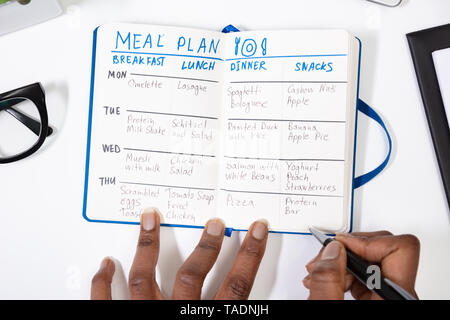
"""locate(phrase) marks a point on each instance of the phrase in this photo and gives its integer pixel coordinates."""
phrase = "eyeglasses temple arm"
(30, 123)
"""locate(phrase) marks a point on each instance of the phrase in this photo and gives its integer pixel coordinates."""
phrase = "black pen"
(357, 266)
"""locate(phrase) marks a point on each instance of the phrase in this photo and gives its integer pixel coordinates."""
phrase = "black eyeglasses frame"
(35, 93)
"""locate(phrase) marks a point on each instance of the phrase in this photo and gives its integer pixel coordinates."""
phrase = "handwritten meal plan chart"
(200, 124)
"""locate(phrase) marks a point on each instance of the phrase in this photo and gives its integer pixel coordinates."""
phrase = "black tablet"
(428, 49)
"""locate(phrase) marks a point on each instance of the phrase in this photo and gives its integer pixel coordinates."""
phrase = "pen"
(357, 266)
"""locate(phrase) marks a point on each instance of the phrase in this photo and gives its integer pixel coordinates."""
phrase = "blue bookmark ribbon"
(368, 111)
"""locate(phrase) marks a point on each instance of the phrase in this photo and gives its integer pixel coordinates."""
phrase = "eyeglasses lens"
(20, 126)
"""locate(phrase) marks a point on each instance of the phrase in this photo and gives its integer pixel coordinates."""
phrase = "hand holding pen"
(397, 257)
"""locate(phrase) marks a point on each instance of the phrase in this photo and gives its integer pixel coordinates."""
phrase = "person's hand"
(189, 279)
(397, 256)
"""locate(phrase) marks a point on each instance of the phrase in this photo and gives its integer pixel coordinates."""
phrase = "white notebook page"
(285, 109)
(167, 128)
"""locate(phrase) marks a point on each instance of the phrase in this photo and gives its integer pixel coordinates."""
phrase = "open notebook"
(241, 126)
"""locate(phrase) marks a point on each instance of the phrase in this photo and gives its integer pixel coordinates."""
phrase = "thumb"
(328, 274)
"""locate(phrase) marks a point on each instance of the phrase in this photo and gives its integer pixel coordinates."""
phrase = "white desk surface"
(47, 250)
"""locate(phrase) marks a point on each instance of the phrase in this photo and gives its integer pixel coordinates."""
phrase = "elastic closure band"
(228, 232)
(368, 111)
(230, 28)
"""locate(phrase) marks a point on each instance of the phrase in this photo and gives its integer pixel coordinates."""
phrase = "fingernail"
(331, 251)
(310, 261)
(309, 265)
(105, 262)
(148, 219)
(307, 281)
(215, 227)
(260, 229)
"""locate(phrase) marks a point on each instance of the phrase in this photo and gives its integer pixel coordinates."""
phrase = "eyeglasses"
(23, 122)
